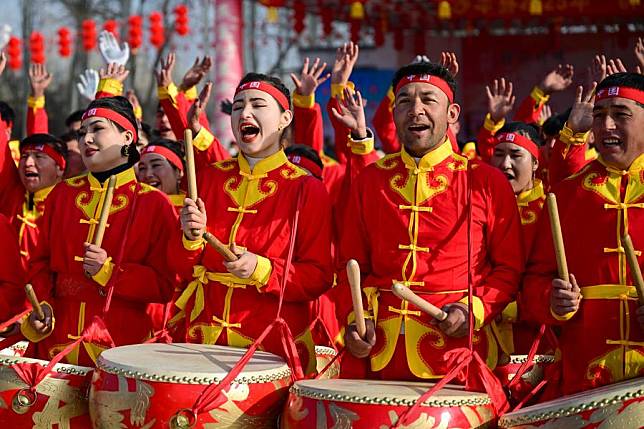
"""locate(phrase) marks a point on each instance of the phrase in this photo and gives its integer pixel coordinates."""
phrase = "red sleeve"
(566, 158)
(384, 126)
(37, 119)
(308, 127)
(531, 107)
(39, 273)
(13, 192)
(340, 132)
(485, 143)
(12, 296)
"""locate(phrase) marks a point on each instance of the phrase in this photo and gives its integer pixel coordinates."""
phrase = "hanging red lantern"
(14, 50)
(181, 20)
(88, 34)
(37, 47)
(327, 20)
(379, 33)
(135, 32)
(299, 13)
(111, 26)
(157, 36)
(356, 25)
(64, 42)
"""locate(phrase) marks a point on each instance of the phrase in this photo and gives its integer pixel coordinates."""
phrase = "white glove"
(5, 35)
(88, 84)
(110, 49)
(420, 59)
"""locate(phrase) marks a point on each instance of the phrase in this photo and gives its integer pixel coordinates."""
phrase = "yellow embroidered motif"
(606, 187)
(388, 162)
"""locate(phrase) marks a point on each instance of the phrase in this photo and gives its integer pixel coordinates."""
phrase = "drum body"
(619, 405)
(529, 380)
(324, 356)
(18, 349)
(146, 385)
(60, 400)
(373, 404)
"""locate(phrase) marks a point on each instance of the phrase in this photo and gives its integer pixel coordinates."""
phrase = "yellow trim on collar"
(122, 178)
(265, 165)
(533, 194)
(41, 195)
(430, 159)
(636, 166)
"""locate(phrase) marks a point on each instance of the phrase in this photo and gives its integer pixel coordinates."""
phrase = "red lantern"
(157, 33)
(135, 32)
(356, 25)
(299, 13)
(181, 20)
(327, 20)
(37, 48)
(64, 42)
(14, 50)
(111, 26)
(88, 34)
(379, 32)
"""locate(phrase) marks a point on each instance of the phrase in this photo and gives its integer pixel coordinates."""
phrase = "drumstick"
(105, 212)
(636, 272)
(353, 273)
(557, 237)
(220, 247)
(31, 296)
(190, 165)
(407, 294)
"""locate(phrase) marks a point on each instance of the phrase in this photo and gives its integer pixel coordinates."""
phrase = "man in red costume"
(408, 223)
(601, 341)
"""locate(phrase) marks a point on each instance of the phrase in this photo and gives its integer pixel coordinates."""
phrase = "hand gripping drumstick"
(407, 294)
(31, 296)
(105, 212)
(353, 274)
(557, 237)
(636, 272)
(220, 247)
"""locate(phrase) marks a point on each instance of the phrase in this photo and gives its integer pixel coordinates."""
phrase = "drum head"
(576, 403)
(386, 392)
(184, 363)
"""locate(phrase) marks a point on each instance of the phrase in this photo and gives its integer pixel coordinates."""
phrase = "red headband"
(430, 79)
(166, 153)
(102, 112)
(519, 140)
(267, 88)
(620, 91)
(306, 163)
(58, 158)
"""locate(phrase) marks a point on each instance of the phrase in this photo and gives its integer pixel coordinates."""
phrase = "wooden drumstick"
(557, 237)
(105, 212)
(407, 294)
(636, 272)
(31, 296)
(220, 247)
(190, 164)
(353, 274)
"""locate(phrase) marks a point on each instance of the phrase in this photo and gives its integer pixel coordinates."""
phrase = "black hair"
(48, 139)
(275, 81)
(7, 113)
(521, 128)
(75, 116)
(306, 152)
(122, 106)
(69, 136)
(628, 80)
(175, 146)
(554, 124)
(425, 68)
(146, 129)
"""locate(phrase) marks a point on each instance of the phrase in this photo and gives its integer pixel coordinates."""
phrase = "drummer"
(408, 223)
(602, 341)
(131, 257)
(249, 203)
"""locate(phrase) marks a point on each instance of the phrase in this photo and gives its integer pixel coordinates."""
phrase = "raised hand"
(345, 59)
(226, 106)
(3, 62)
(639, 54)
(450, 62)
(195, 73)
(309, 78)
(110, 49)
(164, 74)
(198, 108)
(88, 84)
(581, 115)
(615, 66)
(545, 114)
(133, 99)
(114, 71)
(597, 70)
(39, 79)
(351, 113)
(500, 99)
(558, 79)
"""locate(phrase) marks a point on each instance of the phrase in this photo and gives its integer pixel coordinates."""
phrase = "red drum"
(148, 385)
(616, 406)
(324, 356)
(18, 349)
(529, 380)
(60, 400)
(373, 404)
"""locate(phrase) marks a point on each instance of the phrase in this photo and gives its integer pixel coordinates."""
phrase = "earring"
(279, 129)
(125, 151)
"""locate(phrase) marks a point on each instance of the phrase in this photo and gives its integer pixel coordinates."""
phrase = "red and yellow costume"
(255, 209)
(136, 245)
(602, 342)
(12, 294)
(408, 223)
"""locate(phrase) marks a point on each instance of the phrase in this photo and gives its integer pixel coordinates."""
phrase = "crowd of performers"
(432, 214)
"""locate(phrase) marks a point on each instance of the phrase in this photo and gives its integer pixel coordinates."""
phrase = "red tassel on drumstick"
(353, 274)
